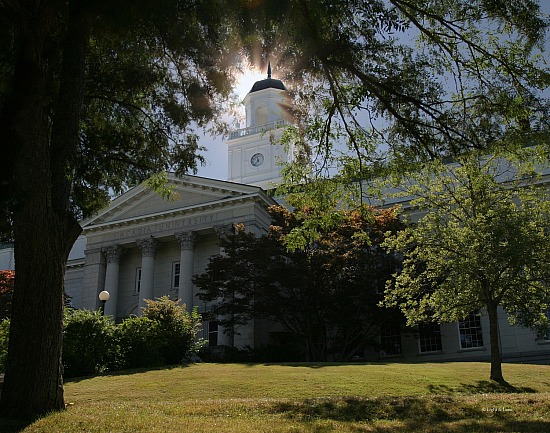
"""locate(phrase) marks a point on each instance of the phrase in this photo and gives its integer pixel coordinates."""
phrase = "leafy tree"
(325, 293)
(388, 85)
(409, 74)
(482, 244)
(94, 97)
(6, 293)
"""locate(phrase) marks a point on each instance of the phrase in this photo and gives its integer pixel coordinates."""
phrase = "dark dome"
(268, 83)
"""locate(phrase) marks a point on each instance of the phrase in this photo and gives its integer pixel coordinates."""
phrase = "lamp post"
(103, 297)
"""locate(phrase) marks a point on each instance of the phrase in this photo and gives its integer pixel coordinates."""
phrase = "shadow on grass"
(9, 425)
(317, 365)
(480, 387)
(413, 414)
(359, 409)
(128, 372)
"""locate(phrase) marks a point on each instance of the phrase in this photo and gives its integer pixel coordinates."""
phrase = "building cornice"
(261, 199)
(218, 189)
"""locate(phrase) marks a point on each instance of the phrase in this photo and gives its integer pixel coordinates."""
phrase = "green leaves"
(148, 75)
(390, 86)
(325, 293)
(481, 238)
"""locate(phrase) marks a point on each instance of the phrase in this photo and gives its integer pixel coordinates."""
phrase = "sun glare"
(247, 80)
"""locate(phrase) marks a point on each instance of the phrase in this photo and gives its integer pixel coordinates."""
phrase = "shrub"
(176, 329)
(7, 280)
(165, 334)
(138, 343)
(4, 335)
(89, 344)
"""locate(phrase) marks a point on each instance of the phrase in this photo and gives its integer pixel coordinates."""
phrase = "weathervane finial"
(269, 69)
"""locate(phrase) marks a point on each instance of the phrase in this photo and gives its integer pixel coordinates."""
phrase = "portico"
(144, 246)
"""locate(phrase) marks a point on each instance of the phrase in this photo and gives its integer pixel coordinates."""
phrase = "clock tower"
(255, 156)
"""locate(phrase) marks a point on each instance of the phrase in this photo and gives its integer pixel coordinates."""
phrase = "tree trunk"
(33, 381)
(44, 228)
(496, 358)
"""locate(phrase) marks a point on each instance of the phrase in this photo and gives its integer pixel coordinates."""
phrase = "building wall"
(74, 276)
(7, 260)
(517, 342)
(241, 150)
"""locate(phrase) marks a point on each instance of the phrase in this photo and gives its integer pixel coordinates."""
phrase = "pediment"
(187, 192)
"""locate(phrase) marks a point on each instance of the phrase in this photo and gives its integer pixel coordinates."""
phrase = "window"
(430, 337)
(390, 341)
(137, 286)
(175, 275)
(470, 332)
(213, 333)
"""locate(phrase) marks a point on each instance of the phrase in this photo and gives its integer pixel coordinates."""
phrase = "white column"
(185, 291)
(93, 279)
(148, 248)
(112, 254)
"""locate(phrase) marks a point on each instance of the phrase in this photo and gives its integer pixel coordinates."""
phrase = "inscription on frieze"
(167, 226)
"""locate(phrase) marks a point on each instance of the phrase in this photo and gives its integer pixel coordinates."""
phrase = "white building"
(143, 246)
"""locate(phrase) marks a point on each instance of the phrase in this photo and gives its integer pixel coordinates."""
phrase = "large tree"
(95, 96)
(324, 294)
(483, 244)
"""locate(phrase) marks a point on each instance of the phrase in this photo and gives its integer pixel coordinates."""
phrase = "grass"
(396, 397)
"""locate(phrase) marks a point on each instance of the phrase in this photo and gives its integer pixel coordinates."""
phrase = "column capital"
(223, 231)
(147, 246)
(112, 253)
(187, 240)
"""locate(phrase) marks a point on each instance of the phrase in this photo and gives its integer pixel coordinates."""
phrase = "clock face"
(257, 159)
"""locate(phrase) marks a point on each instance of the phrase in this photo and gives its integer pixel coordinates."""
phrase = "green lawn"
(396, 397)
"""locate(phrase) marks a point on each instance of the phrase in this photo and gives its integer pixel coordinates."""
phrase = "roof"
(191, 194)
(268, 83)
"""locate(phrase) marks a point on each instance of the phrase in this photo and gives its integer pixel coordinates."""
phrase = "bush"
(7, 280)
(138, 343)
(176, 329)
(89, 344)
(165, 334)
(4, 335)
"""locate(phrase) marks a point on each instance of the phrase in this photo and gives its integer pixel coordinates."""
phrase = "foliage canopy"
(389, 85)
(324, 294)
(481, 243)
